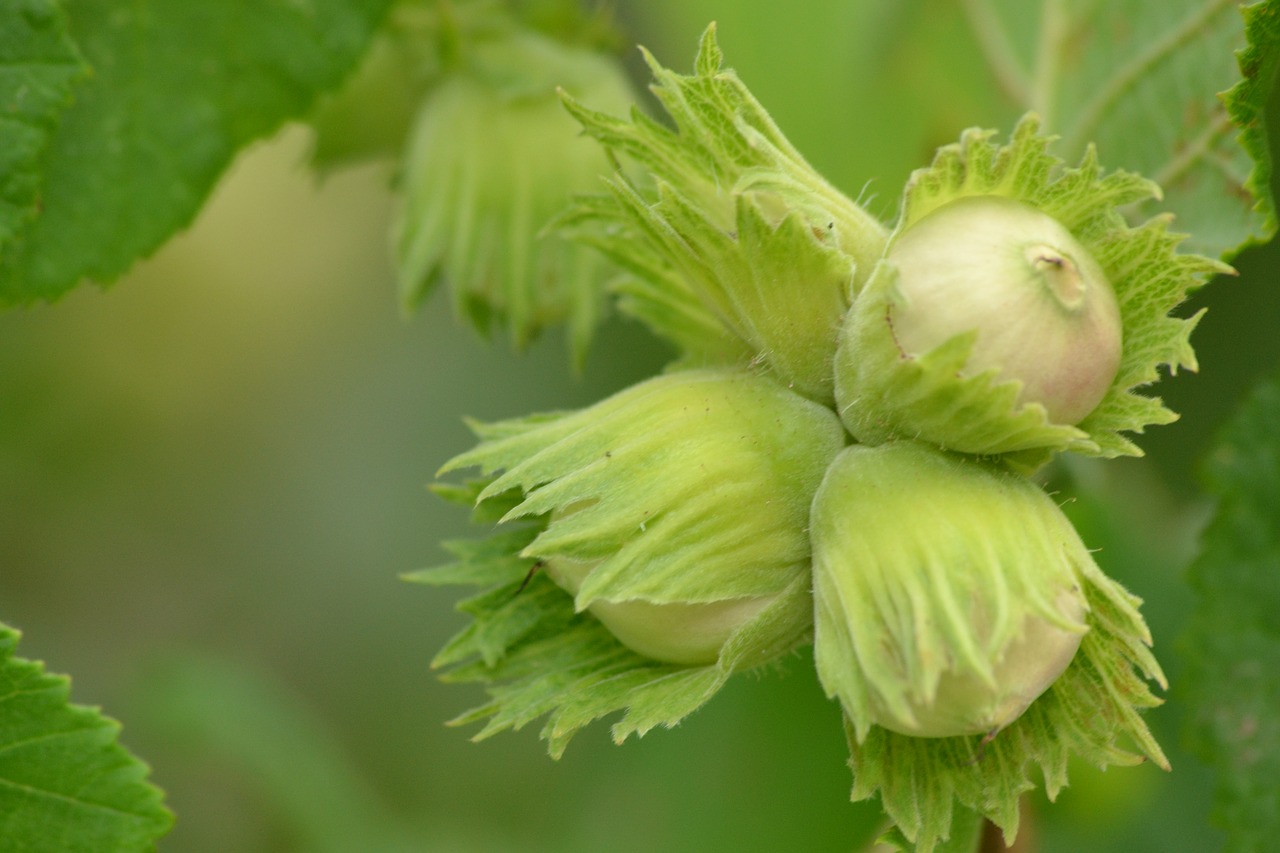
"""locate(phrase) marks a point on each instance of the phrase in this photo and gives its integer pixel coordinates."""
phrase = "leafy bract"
(1233, 679)
(38, 64)
(176, 88)
(540, 658)
(727, 226)
(966, 836)
(1141, 80)
(66, 784)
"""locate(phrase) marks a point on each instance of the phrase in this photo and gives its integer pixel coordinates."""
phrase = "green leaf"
(38, 64)
(1233, 678)
(176, 89)
(1141, 80)
(66, 784)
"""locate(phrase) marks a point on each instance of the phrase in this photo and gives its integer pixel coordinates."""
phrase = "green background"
(214, 472)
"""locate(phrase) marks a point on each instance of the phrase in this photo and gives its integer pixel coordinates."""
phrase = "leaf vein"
(55, 735)
(67, 798)
(1197, 150)
(1053, 31)
(994, 42)
(1091, 116)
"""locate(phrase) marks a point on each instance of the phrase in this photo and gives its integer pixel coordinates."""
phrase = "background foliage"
(213, 474)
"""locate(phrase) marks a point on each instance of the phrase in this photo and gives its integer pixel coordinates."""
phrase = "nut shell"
(1042, 309)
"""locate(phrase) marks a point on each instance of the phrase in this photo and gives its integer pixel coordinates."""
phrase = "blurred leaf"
(369, 117)
(38, 63)
(1247, 100)
(293, 762)
(1233, 678)
(177, 87)
(1141, 80)
(66, 785)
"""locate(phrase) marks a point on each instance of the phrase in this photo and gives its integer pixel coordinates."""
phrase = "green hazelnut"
(947, 590)
(673, 632)
(1042, 309)
(677, 509)
(965, 704)
(492, 157)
